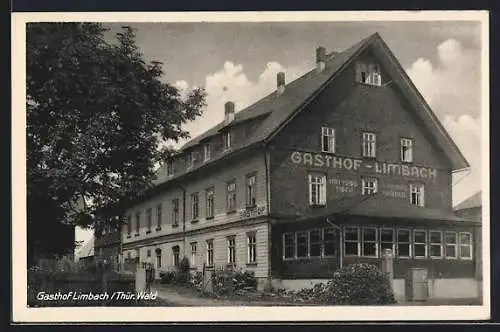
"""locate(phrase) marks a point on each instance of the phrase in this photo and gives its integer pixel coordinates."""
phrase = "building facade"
(328, 170)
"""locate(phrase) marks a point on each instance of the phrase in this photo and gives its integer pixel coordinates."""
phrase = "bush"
(358, 284)
(228, 280)
(196, 280)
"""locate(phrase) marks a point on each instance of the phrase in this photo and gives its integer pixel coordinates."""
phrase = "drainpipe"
(269, 228)
(183, 221)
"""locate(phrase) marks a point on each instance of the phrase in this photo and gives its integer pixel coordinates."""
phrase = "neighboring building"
(328, 170)
(107, 244)
(471, 208)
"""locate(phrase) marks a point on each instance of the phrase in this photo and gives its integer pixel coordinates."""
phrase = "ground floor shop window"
(369, 244)
(302, 244)
(289, 245)
(312, 243)
(435, 244)
(465, 245)
(419, 243)
(351, 241)
(451, 245)
(387, 239)
(404, 243)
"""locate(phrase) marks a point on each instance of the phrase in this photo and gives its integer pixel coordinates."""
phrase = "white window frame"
(317, 180)
(320, 242)
(393, 242)
(329, 134)
(294, 245)
(189, 160)
(194, 250)
(210, 252)
(231, 250)
(372, 73)
(195, 206)
(251, 198)
(297, 244)
(470, 245)
(406, 148)
(369, 144)
(409, 243)
(332, 241)
(174, 252)
(210, 202)
(366, 185)
(158, 260)
(207, 152)
(358, 241)
(363, 241)
(252, 248)
(414, 243)
(419, 190)
(231, 196)
(431, 244)
(448, 244)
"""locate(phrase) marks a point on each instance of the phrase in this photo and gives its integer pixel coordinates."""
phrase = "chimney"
(228, 112)
(280, 83)
(320, 59)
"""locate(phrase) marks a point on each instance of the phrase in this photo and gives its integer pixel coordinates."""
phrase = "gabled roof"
(279, 110)
(473, 201)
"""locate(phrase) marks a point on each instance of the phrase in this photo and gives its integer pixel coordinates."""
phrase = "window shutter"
(323, 191)
(310, 191)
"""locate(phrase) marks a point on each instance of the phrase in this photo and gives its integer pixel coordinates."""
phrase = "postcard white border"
(229, 314)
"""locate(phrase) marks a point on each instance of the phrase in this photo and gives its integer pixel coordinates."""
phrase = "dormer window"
(207, 152)
(170, 168)
(226, 140)
(368, 73)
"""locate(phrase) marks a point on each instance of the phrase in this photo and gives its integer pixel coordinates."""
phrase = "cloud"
(230, 83)
(451, 86)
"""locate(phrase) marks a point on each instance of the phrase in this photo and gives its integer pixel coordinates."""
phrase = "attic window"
(226, 140)
(368, 73)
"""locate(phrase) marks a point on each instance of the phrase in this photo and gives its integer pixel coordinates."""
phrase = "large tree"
(97, 113)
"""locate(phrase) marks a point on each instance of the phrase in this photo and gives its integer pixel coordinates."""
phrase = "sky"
(239, 61)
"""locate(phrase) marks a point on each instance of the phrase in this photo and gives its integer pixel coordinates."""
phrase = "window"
(317, 189)
(158, 258)
(435, 244)
(368, 74)
(288, 245)
(129, 225)
(207, 152)
(465, 245)
(369, 186)
(194, 248)
(210, 202)
(210, 252)
(252, 248)
(369, 244)
(450, 244)
(175, 212)
(404, 243)
(159, 212)
(137, 222)
(406, 150)
(419, 244)
(302, 244)
(226, 140)
(417, 194)
(148, 253)
(387, 239)
(351, 241)
(369, 145)
(231, 196)
(328, 242)
(250, 190)
(170, 168)
(231, 250)
(175, 255)
(327, 139)
(194, 206)
(315, 238)
(149, 218)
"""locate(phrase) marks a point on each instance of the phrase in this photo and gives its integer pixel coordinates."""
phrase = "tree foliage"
(97, 114)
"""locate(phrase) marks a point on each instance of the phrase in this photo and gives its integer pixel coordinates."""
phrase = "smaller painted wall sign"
(252, 212)
(344, 186)
(356, 165)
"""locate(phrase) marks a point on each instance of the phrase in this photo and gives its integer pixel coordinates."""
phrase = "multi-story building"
(328, 170)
